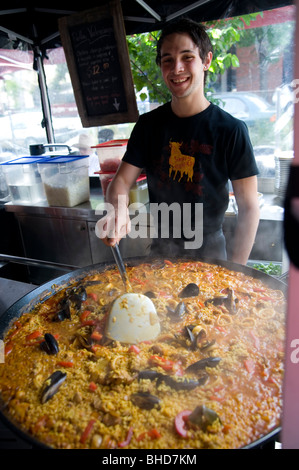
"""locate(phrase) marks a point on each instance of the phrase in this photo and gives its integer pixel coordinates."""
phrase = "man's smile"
(180, 80)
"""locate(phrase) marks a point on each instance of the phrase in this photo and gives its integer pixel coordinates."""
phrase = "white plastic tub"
(66, 180)
(23, 180)
(110, 154)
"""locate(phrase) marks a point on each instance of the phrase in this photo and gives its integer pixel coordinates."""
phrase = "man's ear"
(208, 60)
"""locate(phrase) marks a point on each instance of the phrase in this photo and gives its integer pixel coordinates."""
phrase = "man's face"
(181, 65)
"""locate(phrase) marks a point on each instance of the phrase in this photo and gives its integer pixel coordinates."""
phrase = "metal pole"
(44, 95)
(39, 67)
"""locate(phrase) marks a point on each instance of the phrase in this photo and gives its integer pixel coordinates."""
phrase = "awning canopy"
(39, 26)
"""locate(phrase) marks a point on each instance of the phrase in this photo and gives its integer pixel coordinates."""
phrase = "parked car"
(248, 107)
(25, 128)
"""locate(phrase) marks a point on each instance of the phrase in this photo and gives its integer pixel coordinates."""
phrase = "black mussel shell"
(77, 296)
(216, 301)
(50, 345)
(145, 400)
(190, 335)
(150, 294)
(191, 290)
(176, 384)
(178, 312)
(182, 384)
(203, 363)
(85, 341)
(204, 345)
(148, 374)
(203, 417)
(229, 301)
(52, 385)
(59, 316)
(64, 311)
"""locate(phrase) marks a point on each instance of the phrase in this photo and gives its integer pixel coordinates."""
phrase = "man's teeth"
(180, 80)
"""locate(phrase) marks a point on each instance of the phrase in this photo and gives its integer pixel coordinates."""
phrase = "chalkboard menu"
(97, 56)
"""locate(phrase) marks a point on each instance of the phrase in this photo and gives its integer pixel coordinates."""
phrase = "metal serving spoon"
(133, 317)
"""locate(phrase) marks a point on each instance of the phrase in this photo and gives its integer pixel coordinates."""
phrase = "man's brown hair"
(196, 31)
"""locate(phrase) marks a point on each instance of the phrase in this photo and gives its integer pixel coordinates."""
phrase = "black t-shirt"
(189, 160)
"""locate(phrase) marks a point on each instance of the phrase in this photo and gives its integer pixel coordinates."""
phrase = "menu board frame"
(97, 56)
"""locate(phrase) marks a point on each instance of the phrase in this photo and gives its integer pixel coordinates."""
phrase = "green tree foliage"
(224, 34)
(146, 73)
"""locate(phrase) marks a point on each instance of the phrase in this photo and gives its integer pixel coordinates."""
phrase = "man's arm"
(116, 224)
(245, 191)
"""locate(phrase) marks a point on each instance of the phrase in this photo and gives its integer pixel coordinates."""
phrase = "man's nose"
(178, 66)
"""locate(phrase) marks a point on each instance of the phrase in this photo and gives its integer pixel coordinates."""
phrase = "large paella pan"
(212, 378)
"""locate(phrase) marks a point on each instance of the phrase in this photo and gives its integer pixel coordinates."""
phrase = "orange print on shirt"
(180, 163)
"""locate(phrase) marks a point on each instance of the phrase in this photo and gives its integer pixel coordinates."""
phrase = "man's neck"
(186, 107)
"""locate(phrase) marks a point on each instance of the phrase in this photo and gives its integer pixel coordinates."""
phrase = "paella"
(211, 379)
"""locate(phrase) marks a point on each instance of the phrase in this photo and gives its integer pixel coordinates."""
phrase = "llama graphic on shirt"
(179, 163)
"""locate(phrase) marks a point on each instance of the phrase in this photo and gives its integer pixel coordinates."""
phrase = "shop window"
(21, 117)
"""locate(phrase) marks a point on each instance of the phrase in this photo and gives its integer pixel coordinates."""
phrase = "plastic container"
(105, 178)
(110, 154)
(139, 192)
(66, 180)
(4, 192)
(23, 180)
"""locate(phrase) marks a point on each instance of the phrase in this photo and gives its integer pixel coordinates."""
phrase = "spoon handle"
(121, 267)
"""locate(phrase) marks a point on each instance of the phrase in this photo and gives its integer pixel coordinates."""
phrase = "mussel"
(148, 374)
(51, 385)
(216, 301)
(176, 384)
(199, 340)
(191, 336)
(150, 294)
(145, 400)
(78, 295)
(204, 345)
(182, 384)
(178, 312)
(64, 311)
(203, 363)
(203, 417)
(73, 300)
(49, 345)
(229, 301)
(84, 341)
(190, 290)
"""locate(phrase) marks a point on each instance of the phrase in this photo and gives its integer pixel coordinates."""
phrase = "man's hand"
(114, 225)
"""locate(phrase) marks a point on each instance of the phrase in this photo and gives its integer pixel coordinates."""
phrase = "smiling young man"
(190, 149)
